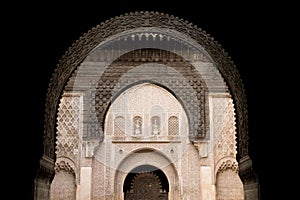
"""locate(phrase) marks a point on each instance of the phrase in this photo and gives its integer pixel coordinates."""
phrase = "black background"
(38, 34)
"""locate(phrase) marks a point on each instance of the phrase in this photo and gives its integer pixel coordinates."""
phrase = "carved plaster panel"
(82, 47)
(68, 131)
(223, 126)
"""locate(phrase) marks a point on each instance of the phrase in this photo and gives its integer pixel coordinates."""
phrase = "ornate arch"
(85, 44)
(157, 159)
(88, 42)
(188, 80)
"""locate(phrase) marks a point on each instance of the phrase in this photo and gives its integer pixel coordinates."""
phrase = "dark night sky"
(250, 33)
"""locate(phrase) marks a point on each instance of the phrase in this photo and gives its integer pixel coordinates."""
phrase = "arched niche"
(146, 110)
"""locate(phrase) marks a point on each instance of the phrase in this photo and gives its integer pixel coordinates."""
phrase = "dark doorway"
(146, 182)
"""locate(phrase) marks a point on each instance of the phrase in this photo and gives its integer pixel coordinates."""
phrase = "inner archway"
(146, 182)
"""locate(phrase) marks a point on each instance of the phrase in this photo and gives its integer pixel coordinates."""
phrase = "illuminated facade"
(146, 106)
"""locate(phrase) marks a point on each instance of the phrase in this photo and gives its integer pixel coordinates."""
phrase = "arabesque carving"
(224, 126)
(81, 48)
(197, 150)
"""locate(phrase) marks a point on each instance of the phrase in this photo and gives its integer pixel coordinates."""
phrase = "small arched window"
(173, 125)
(137, 125)
(155, 125)
(119, 125)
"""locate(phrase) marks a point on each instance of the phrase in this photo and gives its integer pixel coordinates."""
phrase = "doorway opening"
(146, 182)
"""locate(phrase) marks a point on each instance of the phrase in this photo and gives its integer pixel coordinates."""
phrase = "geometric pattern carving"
(173, 125)
(185, 82)
(80, 49)
(224, 127)
(228, 164)
(63, 165)
(119, 126)
(67, 139)
(102, 96)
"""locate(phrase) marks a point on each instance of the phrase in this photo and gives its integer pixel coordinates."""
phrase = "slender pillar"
(84, 189)
(206, 188)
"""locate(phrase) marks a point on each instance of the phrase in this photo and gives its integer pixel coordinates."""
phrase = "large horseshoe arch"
(116, 26)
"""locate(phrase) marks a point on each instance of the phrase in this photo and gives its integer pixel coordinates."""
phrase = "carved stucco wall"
(118, 154)
(228, 183)
(68, 145)
(211, 63)
(85, 44)
(112, 157)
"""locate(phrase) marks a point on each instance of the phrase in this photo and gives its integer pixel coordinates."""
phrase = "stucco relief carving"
(173, 125)
(181, 77)
(68, 120)
(80, 49)
(227, 163)
(224, 130)
(103, 151)
(68, 128)
(64, 164)
(146, 111)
